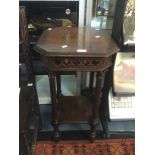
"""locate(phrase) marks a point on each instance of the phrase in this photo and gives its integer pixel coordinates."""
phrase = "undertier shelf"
(75, 109)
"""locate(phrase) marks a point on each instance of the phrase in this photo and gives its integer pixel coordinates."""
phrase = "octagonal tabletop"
(76, 42)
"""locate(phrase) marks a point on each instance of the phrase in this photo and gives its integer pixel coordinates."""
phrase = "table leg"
(58, 84)
(91, 81)
(58, 81)
(55, 121)
(95, 107)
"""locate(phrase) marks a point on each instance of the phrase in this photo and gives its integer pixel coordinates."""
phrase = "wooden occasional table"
(76, 49)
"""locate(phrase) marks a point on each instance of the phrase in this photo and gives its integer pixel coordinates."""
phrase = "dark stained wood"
(75, 109)
(97, 43)
(25, 106)
(27, 111)
(91, 82)
(24, 50)
(26, 58)
(96, 105)
(91, 64)
(58, 85)
(28, 98)
(76, 49)
(117, 29)
(104, 108)
(80, 64)
(55, 121)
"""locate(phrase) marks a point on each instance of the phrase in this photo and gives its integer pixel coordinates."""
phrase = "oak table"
(81, 50)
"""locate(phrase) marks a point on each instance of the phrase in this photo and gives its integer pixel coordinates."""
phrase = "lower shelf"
(75, 109)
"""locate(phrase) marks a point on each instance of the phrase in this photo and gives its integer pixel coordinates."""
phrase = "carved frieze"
(74, 64)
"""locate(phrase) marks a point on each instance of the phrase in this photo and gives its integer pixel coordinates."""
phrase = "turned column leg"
(58, 77)
(91, 82)
(95, 107)
(55, 121)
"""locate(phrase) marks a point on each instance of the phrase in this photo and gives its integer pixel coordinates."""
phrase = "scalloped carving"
(74, 62)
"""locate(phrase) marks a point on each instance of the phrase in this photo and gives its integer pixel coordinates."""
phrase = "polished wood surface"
(60, 48)
(75, 109)
(76, 49)
(79, 42)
